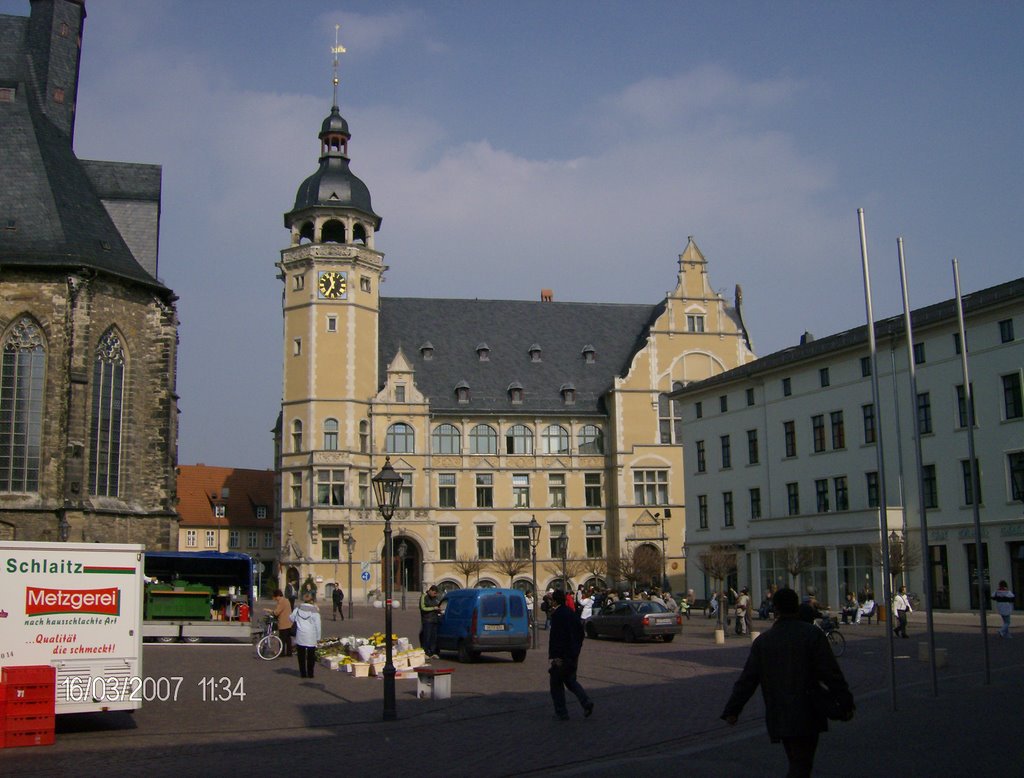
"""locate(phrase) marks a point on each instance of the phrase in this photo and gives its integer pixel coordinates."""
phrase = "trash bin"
(881, 613)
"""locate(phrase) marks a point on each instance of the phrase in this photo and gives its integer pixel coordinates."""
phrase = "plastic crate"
(28, 674)
(18, 739)
(26, 708)
(28, 723)
(13, 692)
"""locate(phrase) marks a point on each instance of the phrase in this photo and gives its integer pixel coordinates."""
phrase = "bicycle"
(270, 644)
(836, 640)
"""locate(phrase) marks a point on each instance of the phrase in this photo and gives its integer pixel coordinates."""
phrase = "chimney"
(547, 295)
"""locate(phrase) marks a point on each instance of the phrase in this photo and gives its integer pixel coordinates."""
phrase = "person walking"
(789, 662)
(564, 645)
(281, 613)
(430, 617)
(306, 619)
(1004, 600)
(338, 601)
(901, 607)
(292, 594)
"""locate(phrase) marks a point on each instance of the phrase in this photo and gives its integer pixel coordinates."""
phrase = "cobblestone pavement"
(657, 707)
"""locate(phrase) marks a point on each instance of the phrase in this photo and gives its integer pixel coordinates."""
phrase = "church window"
(107, 401)
(400, 439)
(555, 440)
(447, 439)
(21, 407)
(483, 440)
(519, 440)
(591, 439)
(331, 435)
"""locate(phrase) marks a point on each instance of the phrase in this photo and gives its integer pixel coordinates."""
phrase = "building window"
(515, 395)
(750, 396)
(296, 489)
(332, 323)
(521, 541)
(253, 539)
(298, 283)
(702, 510)
(405, 496)
(865, 367)
(190, 538)
(211, 539)
(930, 486)
(400, 393)
(823, 377)
(821, 495)
(789, 436)
(698, 409)
(364, 284)
(919, 354)
(568, 392)
(726, 452)
(556, 532)
(297, 347)
(787, 387)
(519, 440)
(818, 432)
(969, 491)
(755, 503)
(1015, 461)
(447, 545)
(961, 405)
(838, 430)
(793, 498)
(58, 96)
(484, 490)
(924, 413)
(869, 423)
(1013, 406)
(592, 490)
(485, 541)
(447, 439)
(752, 452)
(261, 511)
(220, 510)
(331, 435)
(842, 493)
(723, 403)
(330, 487)
(694, 323)
(521, 490)
(446, 490)
(554, 440)
(956, 343)
(702, 464)
(268, 539)
(483, 440)
(364, 489)
(595, 541)
(727, 517)
(296, 436)
(556, 490)
(650, 487)
(107, 400)
(461, 393)
(873, 493)
(670, 420)
(591, 440)
(330, 542)
(21, 407)
(1006, 331)
(400, 439)
(364, 437)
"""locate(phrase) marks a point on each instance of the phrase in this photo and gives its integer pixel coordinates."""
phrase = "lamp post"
(350, 544)
(563, 550)
(403, 549)
(534, 526)
(664, 562)
(387, 486)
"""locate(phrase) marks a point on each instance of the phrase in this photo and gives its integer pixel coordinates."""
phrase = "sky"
(515, 146)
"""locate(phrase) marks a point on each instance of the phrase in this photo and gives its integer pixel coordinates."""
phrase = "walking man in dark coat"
(789, 661)
(338, 600)
(564, 645)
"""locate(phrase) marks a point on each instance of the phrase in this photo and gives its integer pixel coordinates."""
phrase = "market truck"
(78, 608)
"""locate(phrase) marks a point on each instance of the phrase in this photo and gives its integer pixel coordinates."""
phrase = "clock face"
(332, 285)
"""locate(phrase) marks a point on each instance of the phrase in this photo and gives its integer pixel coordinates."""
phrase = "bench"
(872, 614)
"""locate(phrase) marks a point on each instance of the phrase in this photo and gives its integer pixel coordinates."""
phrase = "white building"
(781, 455)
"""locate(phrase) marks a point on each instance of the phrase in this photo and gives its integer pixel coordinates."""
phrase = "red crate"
(28, 674)
(28, 691)
(26, 708)
(17, 739)
(28, 723)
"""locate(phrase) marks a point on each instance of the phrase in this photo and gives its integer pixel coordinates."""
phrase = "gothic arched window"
(107, 403)
(21, 406)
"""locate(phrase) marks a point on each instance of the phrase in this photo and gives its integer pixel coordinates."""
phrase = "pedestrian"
(430, 617)
(545, 606)
(338, 601)
(281, 612)
(292, 594)
(1004, 600)
(901, 607)
(744, 612)
(810, 609)
(306, 619)
(789, 662)
(564, 645)
(850, 608)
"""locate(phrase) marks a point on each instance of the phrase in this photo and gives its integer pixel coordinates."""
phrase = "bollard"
(941, 654)
(754, 635)
(720, 637)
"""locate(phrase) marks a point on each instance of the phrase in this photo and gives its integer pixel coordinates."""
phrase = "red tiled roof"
(200, 487)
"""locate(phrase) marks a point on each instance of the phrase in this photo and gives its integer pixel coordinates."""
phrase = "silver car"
(634, 619)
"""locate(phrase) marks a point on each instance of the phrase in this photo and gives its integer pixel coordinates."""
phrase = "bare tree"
(505, 561)
(799, 559)
(903, 557)
(468, 566)
(647, 562)
(718, 563)
(574, 567)
(623, 568)
(596, 567)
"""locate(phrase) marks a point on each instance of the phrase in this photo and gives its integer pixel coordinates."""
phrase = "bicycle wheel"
(270, 647)
(837, 641)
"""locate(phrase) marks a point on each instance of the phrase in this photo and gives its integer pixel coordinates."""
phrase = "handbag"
(835, 706)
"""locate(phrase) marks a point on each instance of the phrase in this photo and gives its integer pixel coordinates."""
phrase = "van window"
(458, 607)
(517, 607)
(492, 606)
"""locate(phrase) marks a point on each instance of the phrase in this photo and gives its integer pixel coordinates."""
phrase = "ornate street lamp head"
(387, 487)
(534, 527)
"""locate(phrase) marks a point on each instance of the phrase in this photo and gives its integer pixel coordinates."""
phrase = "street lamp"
(534, 526)
(664, 562)
(387, 487)
(403, 549)
(350, 544)
(563, 551)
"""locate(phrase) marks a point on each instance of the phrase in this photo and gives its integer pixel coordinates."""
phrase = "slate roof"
(50, 212)
(454, 328)
(247, 489)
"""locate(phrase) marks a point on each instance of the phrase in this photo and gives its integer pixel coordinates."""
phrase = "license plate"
(494, 627)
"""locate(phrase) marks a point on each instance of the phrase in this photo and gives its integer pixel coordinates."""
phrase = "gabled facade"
(802, 431)
(493, 411)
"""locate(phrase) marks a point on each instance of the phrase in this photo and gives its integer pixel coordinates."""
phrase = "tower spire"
(336, 50)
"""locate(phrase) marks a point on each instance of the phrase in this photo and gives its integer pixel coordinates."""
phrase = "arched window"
(107, 399)
(483, 440)
(21, 407)
(519, 440)
(333, 231)
(296, 436)
(447, 439)
(555, 440)
(591, 439)
(359, 233)
(400, 439)
(331, 435)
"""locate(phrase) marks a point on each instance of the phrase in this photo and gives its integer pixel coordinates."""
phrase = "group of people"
(300, 626)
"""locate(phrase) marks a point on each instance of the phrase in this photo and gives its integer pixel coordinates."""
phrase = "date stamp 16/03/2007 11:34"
(148, 689)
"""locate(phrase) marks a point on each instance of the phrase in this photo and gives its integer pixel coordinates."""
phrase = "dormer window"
(427, 351)
(589, 354)
(535, 353)
(568, 392)
(400, 393)
(220, 510)
(462, 392)
(515, 393)
(483, 352)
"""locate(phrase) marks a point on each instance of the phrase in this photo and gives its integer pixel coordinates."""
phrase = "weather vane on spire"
(336, 50)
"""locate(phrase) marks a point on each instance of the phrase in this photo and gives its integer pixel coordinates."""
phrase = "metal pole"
(975, 481)
(883, 503)
(350, 542)
(925, 558)
(390, 713)
(536, 594)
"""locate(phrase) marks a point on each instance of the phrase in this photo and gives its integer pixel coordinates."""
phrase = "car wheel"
(193, 639)
(519, 655)
(591, 631)
(465, 655)
(628, 635)
(668, 638)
